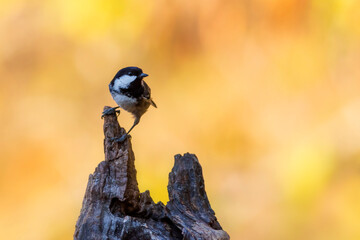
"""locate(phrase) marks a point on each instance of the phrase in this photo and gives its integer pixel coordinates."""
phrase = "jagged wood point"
(113, 207)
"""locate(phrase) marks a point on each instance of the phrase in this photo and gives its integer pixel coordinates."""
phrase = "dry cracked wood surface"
(113, 208)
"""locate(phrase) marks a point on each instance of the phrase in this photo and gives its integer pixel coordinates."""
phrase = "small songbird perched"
(131, 93)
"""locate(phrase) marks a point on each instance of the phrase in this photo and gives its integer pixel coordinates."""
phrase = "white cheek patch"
(123, 82)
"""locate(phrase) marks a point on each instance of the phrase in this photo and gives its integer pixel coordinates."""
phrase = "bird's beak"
(143, 75)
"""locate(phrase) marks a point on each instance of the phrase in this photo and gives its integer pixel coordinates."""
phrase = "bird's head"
(127, 75)
(131, 72)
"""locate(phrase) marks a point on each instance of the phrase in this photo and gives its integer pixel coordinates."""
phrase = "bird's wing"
(147, 94)
(147, 91)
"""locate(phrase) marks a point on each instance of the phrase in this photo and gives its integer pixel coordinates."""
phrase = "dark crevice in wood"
(113, 207)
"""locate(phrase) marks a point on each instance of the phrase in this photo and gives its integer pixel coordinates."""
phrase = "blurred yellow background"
(265, 93)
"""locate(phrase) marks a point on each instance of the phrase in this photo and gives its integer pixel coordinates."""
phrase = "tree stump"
(113, 208)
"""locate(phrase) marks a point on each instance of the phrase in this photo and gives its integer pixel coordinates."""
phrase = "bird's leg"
(110, 111)
(123, 137)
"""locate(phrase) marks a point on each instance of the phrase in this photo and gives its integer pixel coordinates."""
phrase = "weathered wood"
(113, 208)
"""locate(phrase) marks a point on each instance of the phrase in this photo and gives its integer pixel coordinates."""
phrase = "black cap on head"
(131, 71)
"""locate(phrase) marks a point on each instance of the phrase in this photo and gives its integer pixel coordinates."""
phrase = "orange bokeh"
(265, 93)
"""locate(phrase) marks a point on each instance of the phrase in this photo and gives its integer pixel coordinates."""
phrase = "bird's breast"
(125, 102)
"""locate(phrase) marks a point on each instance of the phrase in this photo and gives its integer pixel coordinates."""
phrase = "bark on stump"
(113, 208)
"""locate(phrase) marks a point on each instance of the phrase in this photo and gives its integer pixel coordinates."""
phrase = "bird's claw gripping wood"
(110, 111)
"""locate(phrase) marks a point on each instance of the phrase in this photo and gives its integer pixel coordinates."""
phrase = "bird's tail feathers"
(153, 103)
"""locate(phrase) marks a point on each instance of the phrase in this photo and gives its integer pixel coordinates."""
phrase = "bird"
(131, 93)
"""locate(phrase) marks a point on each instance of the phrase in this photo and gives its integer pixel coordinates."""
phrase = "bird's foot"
(110, 111)
(120, 139)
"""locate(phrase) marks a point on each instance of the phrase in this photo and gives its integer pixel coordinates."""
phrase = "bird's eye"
(130, 73)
